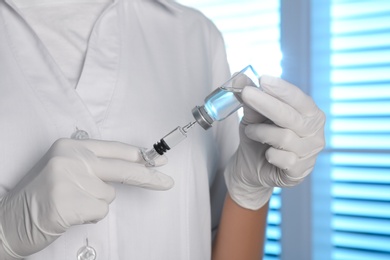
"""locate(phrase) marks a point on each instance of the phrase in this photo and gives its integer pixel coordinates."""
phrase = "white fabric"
(147, 64)
(64, 27)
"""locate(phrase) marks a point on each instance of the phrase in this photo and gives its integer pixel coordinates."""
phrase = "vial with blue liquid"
(225, 100)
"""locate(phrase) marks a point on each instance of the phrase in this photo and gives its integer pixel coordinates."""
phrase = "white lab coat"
(148, 63)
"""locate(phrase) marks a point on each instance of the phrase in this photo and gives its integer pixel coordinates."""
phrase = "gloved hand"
(281, 134)
(68, 187)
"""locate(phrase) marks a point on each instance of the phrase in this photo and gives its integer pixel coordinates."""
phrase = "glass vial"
(225, 100)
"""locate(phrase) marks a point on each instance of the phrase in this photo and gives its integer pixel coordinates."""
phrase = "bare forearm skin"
(241, 233)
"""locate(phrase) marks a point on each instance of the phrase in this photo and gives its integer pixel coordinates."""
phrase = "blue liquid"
(221, 104)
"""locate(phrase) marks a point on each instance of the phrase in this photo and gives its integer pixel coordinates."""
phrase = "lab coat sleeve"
(225, 132)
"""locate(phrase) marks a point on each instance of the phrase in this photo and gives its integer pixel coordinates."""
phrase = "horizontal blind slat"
(361, 74)
(369, 108)
(353, 254)
(357, 58)
(361, 241)
(360, 175)
(272, 248)
(274, 217)
(340, 10)
(360, 141)
(360, 25)
(360, 91)
(365, 159)
(361, 225)
(375, 209)
(275, 202)
(357, 42)
(361, 191)
(268, 257)
(273, 232)
(380, 125)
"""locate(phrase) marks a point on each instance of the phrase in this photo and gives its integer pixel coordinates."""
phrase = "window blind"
(357, 102)
(251, 29)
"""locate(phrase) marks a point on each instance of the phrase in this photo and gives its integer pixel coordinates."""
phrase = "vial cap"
(201, 116)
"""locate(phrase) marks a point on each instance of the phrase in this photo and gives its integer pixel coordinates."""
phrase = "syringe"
(166, 143)
(218, 105)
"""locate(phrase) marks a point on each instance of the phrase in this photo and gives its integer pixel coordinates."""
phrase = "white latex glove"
(281, 134)
(68, 187)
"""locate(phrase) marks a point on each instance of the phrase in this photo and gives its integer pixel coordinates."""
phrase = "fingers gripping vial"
(226, 99)
(220, 104)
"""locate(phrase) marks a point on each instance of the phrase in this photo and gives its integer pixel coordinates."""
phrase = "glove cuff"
(248, 197)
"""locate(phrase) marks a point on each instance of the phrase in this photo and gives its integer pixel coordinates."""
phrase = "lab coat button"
(79, 134)
(86, 253)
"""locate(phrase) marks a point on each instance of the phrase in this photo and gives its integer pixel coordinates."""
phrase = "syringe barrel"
(174, 137)
(166, 143)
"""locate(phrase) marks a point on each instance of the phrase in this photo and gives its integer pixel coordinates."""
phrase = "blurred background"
(337, 51)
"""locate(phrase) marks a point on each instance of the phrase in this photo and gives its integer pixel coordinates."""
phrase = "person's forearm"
(240, 233)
